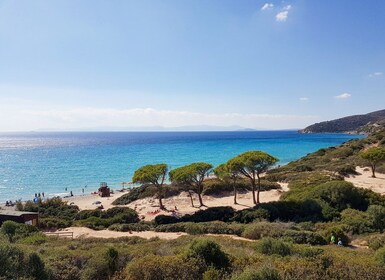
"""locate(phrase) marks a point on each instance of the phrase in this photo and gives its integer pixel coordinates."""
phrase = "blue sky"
(259, 64)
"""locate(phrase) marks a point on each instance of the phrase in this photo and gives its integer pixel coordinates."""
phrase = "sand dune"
(365, 180)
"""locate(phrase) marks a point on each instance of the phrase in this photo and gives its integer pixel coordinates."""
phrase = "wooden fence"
(66, 234)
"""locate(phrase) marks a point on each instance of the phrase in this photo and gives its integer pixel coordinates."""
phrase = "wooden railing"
(66, 234)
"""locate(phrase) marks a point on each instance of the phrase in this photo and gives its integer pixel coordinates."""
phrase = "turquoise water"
(53, 162)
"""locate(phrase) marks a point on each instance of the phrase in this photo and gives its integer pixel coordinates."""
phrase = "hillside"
(367, 123)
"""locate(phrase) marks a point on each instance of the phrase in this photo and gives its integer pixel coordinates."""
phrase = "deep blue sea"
(57, 163)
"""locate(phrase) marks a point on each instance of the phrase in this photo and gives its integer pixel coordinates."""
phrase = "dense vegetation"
(286, 239)
(347, 124)
(35, 256)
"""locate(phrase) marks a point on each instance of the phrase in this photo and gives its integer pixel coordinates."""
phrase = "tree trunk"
(200, 199)
(235, 194)
(259, 188)
(373, 170)
(253, 189)
(161, 204)
(160, 196)
(192, 201)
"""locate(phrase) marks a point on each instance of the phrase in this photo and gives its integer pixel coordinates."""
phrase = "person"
(339, 242)
(333, 239)
(42, 194)
(71, 194)
(7, 203)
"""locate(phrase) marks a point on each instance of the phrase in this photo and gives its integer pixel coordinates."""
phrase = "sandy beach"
(146, 207)
(83, 232)
(366, 181)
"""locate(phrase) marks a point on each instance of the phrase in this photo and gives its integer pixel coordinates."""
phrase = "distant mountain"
(160, 128)
(367, 123)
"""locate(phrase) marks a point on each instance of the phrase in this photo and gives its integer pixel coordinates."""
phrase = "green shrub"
(270, 246)
(221, 213)
(380, 256)
(66, 268)
(15, 231)
(85, 214)
(36, 267)
(377, 215)
(35, 239)
(264, 229)
(194, 228)
(376, 242)
(164, 267)
(208, 251)
(266, 272)
(12, 262)
(308, 252)
(304, 237)
(165, 219)
(251, 215)
(338, 231)
(96, 269)
(54, 223)
(358, 222)
(179, 227)
(214, 274)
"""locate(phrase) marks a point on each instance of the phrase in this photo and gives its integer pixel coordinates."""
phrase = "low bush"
(339, 232)
(264, 229)
(270, 246)
(380, 256)
(304, 237)
(166, 219)
(358, 222)
(15, 231)
(35, 239)
(164, 267)
(178, 227)
(376, 242)
(221, 213)
(266, 272)
(54, 223)
(377, 215)
(208, 251)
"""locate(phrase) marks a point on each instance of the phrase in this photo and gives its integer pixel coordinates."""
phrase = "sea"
(57, 163)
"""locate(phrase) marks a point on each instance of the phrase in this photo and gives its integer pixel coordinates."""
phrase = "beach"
(146, 207)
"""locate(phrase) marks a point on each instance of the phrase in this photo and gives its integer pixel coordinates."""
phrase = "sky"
(92, 64)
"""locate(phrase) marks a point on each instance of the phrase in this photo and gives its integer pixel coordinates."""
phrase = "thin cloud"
(343, 96)
(375, 74)
(304, 98)
(85, 117)
(282, 16)
(267, 6)
(287, 8)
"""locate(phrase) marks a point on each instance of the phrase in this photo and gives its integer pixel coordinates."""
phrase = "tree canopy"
(374, 155)
(154, 174)
(192, 176)
(251, 165)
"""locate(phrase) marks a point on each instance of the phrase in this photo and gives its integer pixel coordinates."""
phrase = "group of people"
(333, 240)
(9, 203)
(39, 194)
